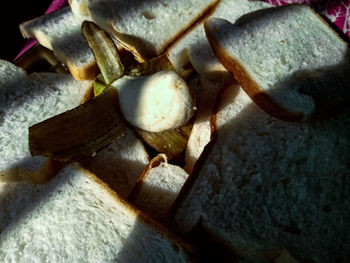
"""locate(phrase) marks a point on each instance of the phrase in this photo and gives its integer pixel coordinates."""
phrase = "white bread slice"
(120, 164)
(13, 80)
(77, 218)
(206, 96)
(194, 47)
(147, 27)
(60, 31)
(266, 186)
(79, 7)
(158, 187)
(279, 55)
(14, 197)
(46, 95)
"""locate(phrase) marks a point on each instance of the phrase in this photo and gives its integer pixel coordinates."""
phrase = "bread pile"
(265, 173)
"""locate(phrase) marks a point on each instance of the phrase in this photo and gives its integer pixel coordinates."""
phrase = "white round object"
(155, 103)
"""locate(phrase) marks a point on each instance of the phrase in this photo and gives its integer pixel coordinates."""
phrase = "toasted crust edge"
(136, 46)
(277, 254)
(85, 73)
(157, 227)
(155, 162)
(249, 85)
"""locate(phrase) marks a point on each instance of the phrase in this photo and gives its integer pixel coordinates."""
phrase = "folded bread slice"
(146, 28)
(35, 98)
(287, 59)
(60, 31)
(266, 188)
(158, 187)
(194, 47)
(77, 218)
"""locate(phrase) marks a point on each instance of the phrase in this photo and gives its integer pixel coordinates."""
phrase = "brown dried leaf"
(79, 132)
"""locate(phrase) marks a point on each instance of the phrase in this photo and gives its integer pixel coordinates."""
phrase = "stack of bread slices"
(265, 174)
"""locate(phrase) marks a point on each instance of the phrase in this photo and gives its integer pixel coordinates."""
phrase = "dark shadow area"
(328, 85)
(14, 197)
(11, 15)
(283, 182)
(120, 164)
(110, 13)
(40, 59)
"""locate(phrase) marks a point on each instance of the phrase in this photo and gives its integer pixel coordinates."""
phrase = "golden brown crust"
(199, 21)
(155, 162)
(47, 171)
(254, 91)
(192, 24)
(88, 95)
(157, 227)
(237, 247)
(87, 73)
(24, 33)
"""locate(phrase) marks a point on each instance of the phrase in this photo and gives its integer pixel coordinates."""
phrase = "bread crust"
(139, 48)
(242, 248)
(157, 227)
(47, 171)
(87, 73)
(254, 91)
(155, 162)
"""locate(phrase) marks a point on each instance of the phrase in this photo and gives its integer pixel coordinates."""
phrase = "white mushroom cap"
(155, 103)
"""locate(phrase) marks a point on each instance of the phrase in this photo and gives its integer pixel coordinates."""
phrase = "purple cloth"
(55, 5)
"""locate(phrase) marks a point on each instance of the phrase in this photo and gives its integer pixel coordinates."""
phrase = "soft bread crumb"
(273, 80)
(99, 227)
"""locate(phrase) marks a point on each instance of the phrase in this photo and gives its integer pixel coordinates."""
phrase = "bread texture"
(267, 186)
(14, 197)
(60, 31)
(287, 59)
(194, 47)
(42, 95)
(147, 27)
(77, 218)
(206, 92)
(158, 187)
(13, 80)
(119, 164)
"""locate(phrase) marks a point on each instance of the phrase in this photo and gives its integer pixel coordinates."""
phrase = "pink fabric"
(55, 5)
(337, 11)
